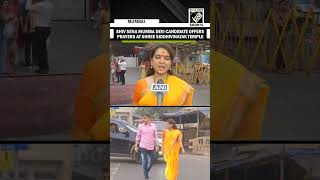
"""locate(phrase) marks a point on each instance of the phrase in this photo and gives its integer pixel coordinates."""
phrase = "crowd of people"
(25, 26)
(118, 71)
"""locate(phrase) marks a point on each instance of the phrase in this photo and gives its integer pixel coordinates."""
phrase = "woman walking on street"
(172, 142)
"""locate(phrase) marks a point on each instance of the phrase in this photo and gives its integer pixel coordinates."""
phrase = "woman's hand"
(183, 151)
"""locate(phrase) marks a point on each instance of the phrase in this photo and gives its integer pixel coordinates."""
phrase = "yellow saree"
(91, 99)
(100, 131)
(239, 99)
(180, 93)
(171, 149)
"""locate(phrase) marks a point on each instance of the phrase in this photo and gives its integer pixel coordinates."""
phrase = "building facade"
(39, 161)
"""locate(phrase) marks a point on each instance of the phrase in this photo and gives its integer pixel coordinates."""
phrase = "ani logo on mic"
(159, 90)
(159, 87)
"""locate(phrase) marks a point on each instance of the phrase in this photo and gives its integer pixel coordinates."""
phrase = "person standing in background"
(20, 37)
(118, 71)
(10, 34)
(143, 70)
(26, 27)
(28, 31)
(42, 13)
(123, 70)
(113, 71)
(2, 55)
(103, 23)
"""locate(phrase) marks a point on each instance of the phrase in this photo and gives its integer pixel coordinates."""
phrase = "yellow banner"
(6, 160)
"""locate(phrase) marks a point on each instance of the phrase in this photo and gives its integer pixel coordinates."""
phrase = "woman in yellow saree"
(180, 93)
(239, 99)
(172, 142)
(90, 111)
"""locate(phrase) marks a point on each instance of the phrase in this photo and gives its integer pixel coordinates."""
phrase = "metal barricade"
(259, 40)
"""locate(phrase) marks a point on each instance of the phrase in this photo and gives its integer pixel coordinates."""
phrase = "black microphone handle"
(159, 98)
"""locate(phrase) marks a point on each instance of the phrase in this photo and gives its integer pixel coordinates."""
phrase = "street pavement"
(88, 172)
(37, 105)
(191, 167)
(43, 105)
(201, 92)
(292, 111)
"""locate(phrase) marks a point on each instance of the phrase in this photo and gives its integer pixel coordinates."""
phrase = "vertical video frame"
(160, 90)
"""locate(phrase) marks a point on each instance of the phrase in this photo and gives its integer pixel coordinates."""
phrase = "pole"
(198, 120)
(182, 130)
(16, 164)
(282, 156)
(177, 50)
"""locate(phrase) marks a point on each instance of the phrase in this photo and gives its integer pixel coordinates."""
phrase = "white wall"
(131, 62)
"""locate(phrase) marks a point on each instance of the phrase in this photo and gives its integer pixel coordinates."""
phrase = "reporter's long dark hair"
(173, 123)
(151, 50)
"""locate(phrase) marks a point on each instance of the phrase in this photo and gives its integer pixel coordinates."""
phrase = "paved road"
(43, 105)
(87, 173)
(191, 167)
(38, 105)
(293, 107)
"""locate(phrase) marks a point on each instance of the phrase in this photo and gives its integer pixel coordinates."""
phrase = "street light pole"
(282, 156)
(198, 120)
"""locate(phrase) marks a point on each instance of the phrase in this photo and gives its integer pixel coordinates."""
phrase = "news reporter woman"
(180, 93)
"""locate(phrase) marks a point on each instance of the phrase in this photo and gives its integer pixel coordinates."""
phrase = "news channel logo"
(196, 16)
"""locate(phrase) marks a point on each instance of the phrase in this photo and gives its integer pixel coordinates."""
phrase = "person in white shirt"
(42, 14)
(123, 68)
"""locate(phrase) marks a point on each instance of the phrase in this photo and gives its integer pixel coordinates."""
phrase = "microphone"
(159, 89)
(159, 94)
